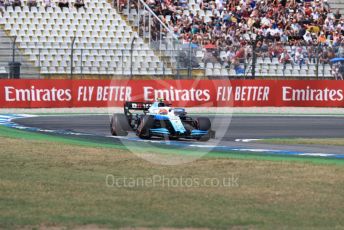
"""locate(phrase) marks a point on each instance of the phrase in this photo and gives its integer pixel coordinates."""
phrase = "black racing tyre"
(119, 125)
(146, 124)
(204, 123)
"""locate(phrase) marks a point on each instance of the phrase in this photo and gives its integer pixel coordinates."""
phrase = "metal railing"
(151, 28)
(146, 21)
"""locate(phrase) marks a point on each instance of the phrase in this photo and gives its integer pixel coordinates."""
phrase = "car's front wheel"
(119, 125)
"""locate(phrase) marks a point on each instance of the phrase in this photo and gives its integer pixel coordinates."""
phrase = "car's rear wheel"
(119, 125)
(204, 124)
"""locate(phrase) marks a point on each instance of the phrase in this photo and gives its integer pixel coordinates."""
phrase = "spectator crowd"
(4, 4)
(296, 31)
(293, 31)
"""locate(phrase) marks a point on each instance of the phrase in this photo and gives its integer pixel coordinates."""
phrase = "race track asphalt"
(229, 129)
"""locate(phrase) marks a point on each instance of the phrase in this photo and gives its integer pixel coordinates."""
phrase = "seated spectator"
(341, 71)
(230, 54)
(239, 68)
(322, 38)
(337, 16)
(308, 37)
(326, 56)
(78, 4)
(2, 6)
(151, 3)
(299, 57)
(285, 59)
(16, 3)
(63, 3)
(121, 5)
(183, 4)
(338, 71)
(32, 3)
(47, 4)
(6, 3)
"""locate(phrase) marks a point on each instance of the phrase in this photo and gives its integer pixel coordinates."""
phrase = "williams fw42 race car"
(158, 119)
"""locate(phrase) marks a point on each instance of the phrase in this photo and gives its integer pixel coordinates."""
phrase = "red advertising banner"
(188, 93)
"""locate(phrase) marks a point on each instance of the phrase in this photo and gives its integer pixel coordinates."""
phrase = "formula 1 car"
(158, 119)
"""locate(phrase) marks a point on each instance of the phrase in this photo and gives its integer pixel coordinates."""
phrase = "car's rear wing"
(137, 105)
(142, 106)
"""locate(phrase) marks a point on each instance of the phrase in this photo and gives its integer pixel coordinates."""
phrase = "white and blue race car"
(158, 119)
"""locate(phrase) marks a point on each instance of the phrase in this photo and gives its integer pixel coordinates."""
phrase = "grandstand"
(102, 37)
(102, 40)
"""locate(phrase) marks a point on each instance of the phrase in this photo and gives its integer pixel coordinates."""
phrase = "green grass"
(306, 141)
(58, 182)
(79, 141)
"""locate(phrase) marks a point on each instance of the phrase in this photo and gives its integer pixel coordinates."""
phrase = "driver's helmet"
(161, 102)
